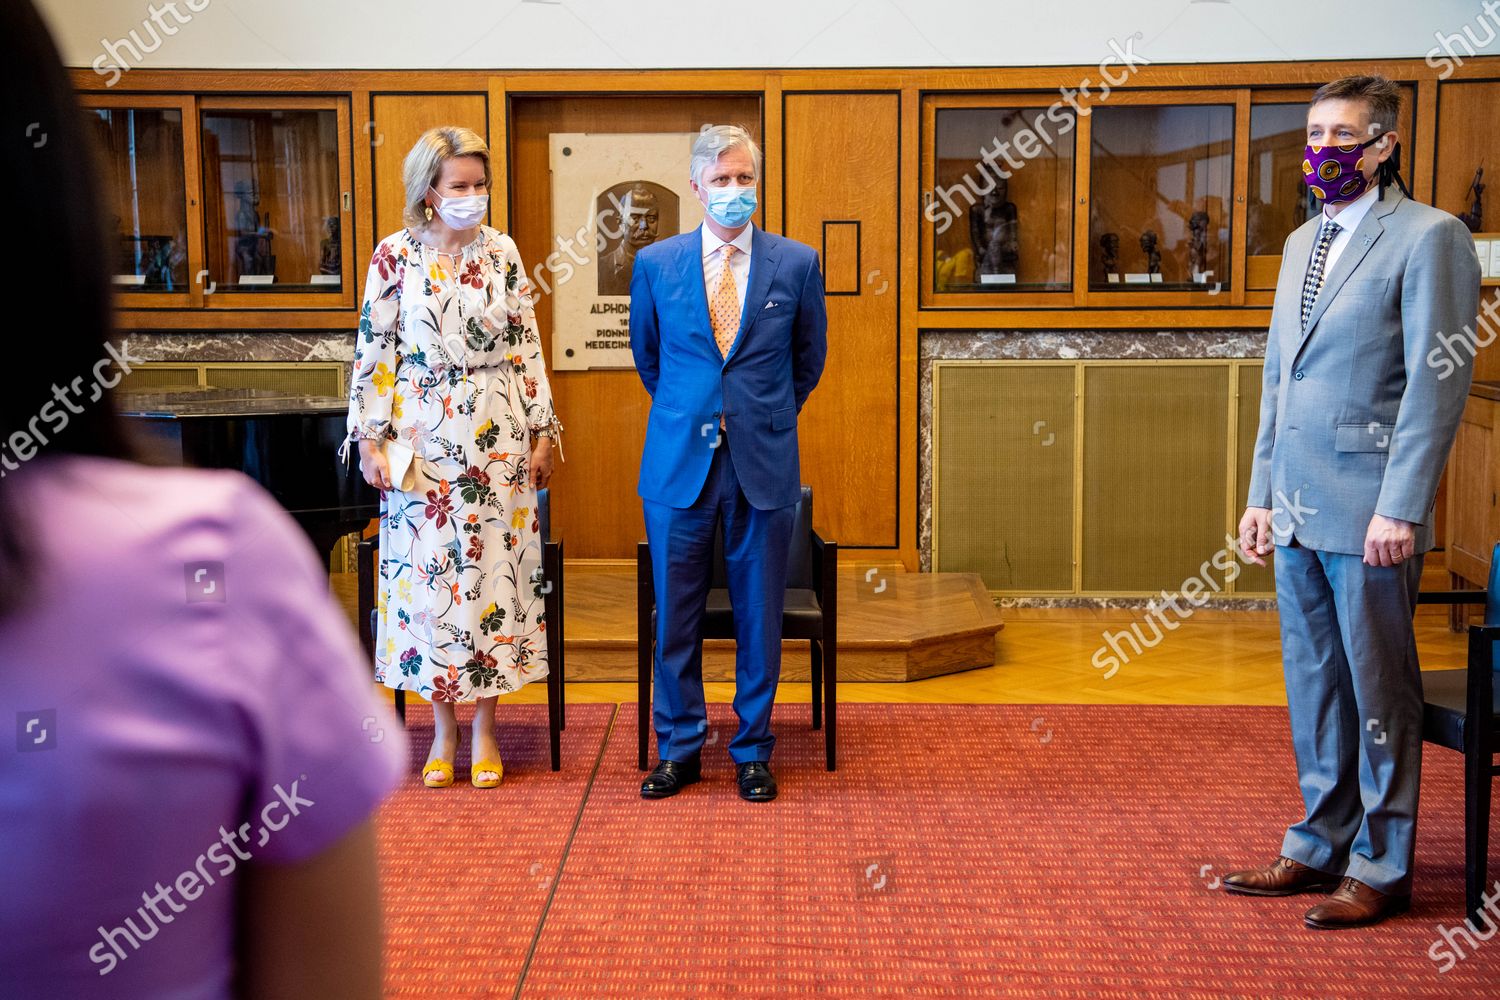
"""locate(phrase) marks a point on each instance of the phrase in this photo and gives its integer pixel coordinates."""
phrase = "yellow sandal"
(441, 769)
(485, 765)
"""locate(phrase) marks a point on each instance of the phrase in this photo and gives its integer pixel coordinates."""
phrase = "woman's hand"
(373, 464)
(541, 463)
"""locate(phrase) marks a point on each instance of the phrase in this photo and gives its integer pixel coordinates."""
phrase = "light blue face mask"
(731, 207)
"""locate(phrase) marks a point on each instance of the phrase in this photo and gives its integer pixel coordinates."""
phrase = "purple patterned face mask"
(1334, 173)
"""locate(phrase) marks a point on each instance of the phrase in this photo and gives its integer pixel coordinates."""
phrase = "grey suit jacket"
(1355, 417)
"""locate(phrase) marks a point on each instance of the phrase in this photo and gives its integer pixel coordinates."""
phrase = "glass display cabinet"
(275, 197)
(1161, 182)
(143, 165)
(997, 202)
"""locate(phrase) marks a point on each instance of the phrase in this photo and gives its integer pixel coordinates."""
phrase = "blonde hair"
(434, 148)
(714, 141)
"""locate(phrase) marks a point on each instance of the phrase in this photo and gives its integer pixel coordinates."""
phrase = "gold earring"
(427, 210)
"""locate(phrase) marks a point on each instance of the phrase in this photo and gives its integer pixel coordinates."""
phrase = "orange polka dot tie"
(724, 307)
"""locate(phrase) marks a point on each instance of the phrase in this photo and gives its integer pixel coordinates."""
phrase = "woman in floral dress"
(448, 362)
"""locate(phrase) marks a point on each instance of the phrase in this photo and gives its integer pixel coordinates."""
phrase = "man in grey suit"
(1355, 427)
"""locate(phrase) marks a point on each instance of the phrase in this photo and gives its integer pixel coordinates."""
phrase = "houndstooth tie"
(1313, 283)
(724, 307)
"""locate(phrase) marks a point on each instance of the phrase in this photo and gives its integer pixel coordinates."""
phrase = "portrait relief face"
(642, 217)
(630, 216)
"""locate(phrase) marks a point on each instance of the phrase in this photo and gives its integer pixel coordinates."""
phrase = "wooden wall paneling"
(1420, 151)
(907, 283)
(193, 154)
(1238, 210)
(363, 144)
(773, 181)
(843, 163)
(1082, 208)
(595, 505)
(499, 139)
(1460, 108)
(396, 121)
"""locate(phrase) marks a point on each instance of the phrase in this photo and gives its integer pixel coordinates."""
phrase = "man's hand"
(1389, 542)
(1255, 534)
(373, 464)
(541, 463)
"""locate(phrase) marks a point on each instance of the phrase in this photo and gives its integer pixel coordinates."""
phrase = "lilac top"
(188, 698)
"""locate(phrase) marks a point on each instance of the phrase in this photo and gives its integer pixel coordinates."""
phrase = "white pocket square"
(770, 305)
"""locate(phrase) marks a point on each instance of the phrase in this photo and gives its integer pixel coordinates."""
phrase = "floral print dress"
(451, 364)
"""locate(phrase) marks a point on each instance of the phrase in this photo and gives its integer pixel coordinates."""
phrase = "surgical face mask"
(464, 212)
(730, 207)
(1334, 173)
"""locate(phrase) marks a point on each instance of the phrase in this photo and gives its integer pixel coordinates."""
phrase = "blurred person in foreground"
(185, 811)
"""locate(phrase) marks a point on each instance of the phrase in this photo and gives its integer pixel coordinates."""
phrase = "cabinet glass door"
(273, 216)
(145, 200)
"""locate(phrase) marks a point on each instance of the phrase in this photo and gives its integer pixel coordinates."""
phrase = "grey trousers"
(1354, 692)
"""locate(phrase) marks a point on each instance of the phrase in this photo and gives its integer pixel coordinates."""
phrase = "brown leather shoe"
(1354, 904)
(1282, 877)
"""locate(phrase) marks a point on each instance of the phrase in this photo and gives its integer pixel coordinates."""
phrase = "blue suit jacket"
(759, 389)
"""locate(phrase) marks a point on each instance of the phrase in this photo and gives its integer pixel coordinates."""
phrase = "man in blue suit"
(729, 332)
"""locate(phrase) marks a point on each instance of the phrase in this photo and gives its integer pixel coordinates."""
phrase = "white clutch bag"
(403, 462)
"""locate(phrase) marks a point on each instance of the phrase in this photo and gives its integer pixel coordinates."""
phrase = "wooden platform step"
(892, 627)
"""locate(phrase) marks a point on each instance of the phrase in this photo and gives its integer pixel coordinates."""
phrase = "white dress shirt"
(739, 264)
(1348, 220)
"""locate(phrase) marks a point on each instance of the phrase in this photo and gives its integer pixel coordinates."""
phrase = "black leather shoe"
(670, 777)
(756, 782)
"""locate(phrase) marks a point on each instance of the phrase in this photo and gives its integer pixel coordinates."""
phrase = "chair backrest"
(1492, 602)
(544, 514)
(799, 555)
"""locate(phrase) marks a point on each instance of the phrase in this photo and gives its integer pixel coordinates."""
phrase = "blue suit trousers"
(755, 559)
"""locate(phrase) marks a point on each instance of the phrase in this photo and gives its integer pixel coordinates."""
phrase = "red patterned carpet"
(961, 850)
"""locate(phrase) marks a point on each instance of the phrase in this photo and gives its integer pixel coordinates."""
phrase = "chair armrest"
(1452, 596)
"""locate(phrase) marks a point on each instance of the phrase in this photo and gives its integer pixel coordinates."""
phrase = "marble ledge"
(1072, 345)
(201, 346)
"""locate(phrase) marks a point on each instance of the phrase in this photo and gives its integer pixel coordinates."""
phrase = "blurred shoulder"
(115, 507)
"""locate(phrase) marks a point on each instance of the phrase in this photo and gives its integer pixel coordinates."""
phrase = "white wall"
(647, 34)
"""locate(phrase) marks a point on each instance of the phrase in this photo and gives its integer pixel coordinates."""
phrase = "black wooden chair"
(1461, 712)
(811, 613)
(552, 601)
